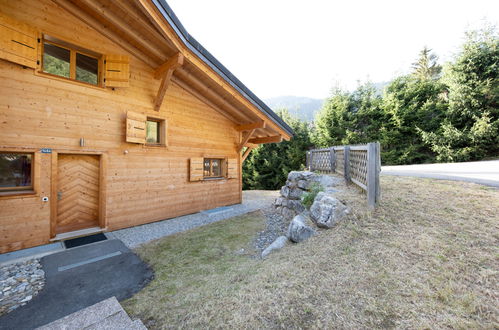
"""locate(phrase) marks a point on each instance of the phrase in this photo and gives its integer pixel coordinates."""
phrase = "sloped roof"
(218, 67)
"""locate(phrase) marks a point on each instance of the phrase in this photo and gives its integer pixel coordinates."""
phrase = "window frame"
(20, 189)
(73, 50)
(222, 167)
(162, 141)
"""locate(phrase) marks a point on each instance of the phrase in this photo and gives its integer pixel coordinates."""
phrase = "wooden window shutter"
(232, 168)
(116, 71)
(196, 169)
(18, 42)
(136, 127)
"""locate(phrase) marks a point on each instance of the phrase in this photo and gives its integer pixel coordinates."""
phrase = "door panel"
(77, 192)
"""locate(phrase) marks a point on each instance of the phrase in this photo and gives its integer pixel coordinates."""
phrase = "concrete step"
(107, 314)
(116, 321)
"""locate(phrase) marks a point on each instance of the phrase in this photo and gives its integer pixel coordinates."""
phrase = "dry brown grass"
(428, 257)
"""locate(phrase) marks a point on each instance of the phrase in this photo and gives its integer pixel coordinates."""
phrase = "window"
(155, 132)
(212, 167)
(15, 171)
(153, 135)
(64, 60)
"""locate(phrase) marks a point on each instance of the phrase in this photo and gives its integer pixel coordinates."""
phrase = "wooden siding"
(142, 184)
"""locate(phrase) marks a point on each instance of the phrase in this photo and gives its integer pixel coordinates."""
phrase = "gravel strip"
(19, 283)
(276, 226)
(252, 200)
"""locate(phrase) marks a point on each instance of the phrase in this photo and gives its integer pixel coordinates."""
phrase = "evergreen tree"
(426, 67)
(471, 126)
(267, 166)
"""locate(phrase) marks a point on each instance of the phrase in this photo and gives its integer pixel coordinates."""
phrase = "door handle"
(59, 195)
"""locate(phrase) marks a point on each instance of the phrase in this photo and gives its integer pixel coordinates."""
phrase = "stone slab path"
(107, 314)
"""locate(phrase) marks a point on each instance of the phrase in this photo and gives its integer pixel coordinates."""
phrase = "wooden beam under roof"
(166, 70)
(252, 126)
(246, 136)
(268, 139)
(104, 30)
(251, 145)
(109, 18)
(172, 64)
(203, 99)
(246, 153)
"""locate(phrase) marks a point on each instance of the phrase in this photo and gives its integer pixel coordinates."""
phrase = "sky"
(305, 48)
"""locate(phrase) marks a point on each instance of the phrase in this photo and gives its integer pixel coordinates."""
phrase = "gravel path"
(252, 200)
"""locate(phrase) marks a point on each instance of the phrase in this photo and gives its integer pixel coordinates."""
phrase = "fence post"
(311, 158)
(307, 161)
(346, 166)
(332, 159)
(378, 172)
(372, 167)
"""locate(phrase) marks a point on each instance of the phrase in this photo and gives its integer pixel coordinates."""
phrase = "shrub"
(308, 198)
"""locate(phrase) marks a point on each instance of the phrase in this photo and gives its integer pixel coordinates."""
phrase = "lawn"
(428, 257)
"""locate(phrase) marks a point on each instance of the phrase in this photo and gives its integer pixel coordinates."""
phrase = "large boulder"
(299, 175)
(279, 243)
(298, 231)
(295, 193)
(326, 211)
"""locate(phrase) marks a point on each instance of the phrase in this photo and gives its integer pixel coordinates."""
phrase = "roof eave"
(216, 66)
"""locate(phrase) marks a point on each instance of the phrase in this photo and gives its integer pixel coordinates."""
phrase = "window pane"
(87, 69)
(56, 60)
(206, 168)
(216, 167)
(15, 171)
(152, 132)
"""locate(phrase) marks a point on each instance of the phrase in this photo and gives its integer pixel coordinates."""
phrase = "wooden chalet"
(112, 116)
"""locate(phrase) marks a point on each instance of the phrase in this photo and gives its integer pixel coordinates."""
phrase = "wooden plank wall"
(143, 185)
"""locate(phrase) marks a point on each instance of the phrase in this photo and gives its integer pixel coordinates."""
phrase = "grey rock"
(295, 193)
(278, 244)
(278, 201)
(326, 211)
(296, 205)
(298, 231)
(287, 213)
(284, 192)
(303, 184)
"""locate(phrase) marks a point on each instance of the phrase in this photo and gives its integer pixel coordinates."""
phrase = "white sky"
(304, 48)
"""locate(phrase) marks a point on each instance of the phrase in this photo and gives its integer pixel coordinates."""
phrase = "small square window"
(212, 167)
(154, 129)
(15, 171)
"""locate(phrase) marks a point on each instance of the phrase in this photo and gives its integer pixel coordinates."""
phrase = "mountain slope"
(304, 108)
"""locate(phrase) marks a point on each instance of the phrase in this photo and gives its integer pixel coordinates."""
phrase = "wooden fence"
(360, 164)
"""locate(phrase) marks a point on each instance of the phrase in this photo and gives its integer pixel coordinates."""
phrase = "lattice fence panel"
(340, 161)
(358, 167)
(321, 160)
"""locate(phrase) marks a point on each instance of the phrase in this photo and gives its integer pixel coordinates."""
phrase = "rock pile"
(19, 283)
(325, 212)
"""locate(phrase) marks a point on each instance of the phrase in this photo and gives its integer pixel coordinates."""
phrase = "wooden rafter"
(166, 70)
(268, 139)
(251, 145)
(104, 30)
(246, 153)
(246, 137)
(247, 127)
(203, 99)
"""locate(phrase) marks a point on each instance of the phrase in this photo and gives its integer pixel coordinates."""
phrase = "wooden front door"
(77, 192)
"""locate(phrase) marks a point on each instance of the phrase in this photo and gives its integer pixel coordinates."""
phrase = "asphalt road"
(484, 172)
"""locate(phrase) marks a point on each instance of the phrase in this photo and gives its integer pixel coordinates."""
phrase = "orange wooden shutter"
(117, 70)
(18, 42)
(196, 169)
(136, 127)
(232, 168)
